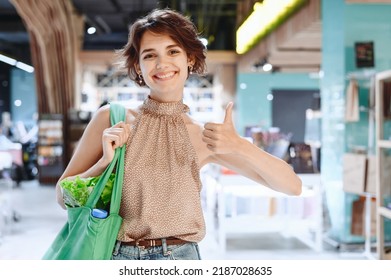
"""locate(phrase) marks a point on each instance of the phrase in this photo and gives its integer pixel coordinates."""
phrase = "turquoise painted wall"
(252, 104)
(366, 23)
(343, 25)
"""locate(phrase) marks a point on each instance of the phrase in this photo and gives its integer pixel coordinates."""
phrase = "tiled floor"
(40, 218)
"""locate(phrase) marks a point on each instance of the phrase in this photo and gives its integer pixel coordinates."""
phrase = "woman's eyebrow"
(147, 50)
(168, 47)
(172, 46)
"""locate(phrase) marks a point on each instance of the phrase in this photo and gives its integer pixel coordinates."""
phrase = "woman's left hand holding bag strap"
(85, 237)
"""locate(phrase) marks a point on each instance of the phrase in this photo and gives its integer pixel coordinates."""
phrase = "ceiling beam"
(309, 37)
(295, 44)
(295, 58)
(299, 69)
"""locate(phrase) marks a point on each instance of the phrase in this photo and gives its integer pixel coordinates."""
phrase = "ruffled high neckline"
(164, 108)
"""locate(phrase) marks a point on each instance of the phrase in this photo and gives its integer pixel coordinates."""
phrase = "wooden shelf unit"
(382, 144)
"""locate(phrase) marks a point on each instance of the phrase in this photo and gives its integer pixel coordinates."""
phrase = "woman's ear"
(191, 61)
(137, 68)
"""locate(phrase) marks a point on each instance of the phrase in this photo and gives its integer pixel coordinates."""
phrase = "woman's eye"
(147, 56)
(174, 51)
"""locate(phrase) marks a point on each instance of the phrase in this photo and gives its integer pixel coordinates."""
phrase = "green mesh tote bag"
(85, 237)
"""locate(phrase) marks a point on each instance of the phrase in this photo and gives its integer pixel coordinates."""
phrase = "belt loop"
(116, 247)
(164, 246)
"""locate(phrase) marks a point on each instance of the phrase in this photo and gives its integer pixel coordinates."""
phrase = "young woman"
(161, 207)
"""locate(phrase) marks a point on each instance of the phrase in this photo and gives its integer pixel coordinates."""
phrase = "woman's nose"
(161, 63)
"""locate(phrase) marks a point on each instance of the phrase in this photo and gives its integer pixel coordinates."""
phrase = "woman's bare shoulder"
(190, 122)
(132, 111)
(101, 116)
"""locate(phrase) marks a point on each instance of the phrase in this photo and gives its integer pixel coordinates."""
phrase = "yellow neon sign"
(266, 16)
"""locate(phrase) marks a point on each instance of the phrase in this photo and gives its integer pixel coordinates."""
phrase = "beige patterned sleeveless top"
(161, 191)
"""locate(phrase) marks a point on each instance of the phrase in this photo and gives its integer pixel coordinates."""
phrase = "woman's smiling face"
(164, 66)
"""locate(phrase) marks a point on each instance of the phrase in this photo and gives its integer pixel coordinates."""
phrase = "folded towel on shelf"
(352, 110)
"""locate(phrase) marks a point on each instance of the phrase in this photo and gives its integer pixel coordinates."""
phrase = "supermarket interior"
(310, 83)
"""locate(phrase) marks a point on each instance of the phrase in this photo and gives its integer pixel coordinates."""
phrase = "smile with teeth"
(165, 75)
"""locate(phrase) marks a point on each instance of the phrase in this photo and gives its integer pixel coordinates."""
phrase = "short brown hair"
(163, 21)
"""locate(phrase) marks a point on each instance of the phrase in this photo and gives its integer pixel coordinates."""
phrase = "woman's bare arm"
(236, 153)
(95, 149)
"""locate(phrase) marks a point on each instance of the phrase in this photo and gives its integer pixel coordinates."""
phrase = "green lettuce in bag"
(76, 191)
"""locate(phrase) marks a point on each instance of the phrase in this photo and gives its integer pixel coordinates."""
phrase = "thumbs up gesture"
(222, 138)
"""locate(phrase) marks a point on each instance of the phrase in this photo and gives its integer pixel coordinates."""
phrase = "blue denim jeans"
(187, 251)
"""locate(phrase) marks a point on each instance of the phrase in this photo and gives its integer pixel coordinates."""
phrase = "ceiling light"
(24, 67)
(265, 17)
(262, 64)
(8, 60)
(267, 67)
(91, 30)
(14, 62)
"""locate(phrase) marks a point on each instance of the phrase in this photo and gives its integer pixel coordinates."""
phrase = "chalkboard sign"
(365, 56)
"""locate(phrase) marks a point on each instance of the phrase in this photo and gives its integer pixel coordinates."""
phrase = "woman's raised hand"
(222, 138)
(114, 137)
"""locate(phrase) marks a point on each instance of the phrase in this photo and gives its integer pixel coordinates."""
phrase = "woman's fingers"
(220, 138)
(117, 135)
(209, 134)
(114, 137)
(111, 140)
(212, 126)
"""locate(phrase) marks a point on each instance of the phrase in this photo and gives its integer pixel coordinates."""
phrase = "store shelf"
(383, 79)
(200, 96)
(386, 144)
(385, 212)
(50, 148)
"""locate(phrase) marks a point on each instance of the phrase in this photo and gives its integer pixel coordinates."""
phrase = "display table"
(244, 206)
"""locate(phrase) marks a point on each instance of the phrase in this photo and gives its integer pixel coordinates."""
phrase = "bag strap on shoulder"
(117, 114)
